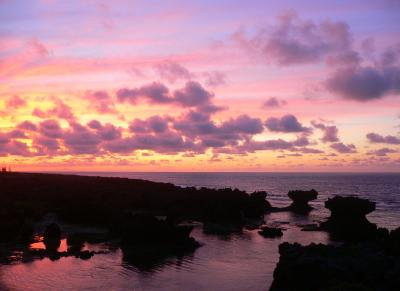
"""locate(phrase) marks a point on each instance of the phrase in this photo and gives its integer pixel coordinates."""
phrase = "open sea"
(244, 261)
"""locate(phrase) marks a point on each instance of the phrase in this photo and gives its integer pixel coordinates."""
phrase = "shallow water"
(237, 262)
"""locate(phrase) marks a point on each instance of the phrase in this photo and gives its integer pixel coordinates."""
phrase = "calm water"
(237, 262)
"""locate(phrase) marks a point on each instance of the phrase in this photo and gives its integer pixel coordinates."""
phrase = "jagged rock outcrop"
(360, 266)
(348, 219)
(146, 229)
(257, 205)
(300, 200)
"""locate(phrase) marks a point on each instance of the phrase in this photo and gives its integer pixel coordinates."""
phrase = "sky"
(218, 85)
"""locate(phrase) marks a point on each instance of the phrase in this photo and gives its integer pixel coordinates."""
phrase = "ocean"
(242, 261)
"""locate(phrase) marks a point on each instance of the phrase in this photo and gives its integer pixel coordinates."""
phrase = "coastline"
(71, 197)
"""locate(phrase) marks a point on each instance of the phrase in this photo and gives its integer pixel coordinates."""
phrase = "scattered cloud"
(101, 101)
(377, 138)
(293, 40)
(343, 148)
(365, 83)
(287, 123)
(330, 131)
(382, 152)
(172, 71)
(274, 102)
(15, 102)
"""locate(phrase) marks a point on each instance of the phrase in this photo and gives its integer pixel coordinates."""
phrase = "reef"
(357, 266)
(300, 200)
(365, 258)
(348, 219)
(137, 214)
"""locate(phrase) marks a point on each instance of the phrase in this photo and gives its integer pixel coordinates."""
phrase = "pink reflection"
(39, 245)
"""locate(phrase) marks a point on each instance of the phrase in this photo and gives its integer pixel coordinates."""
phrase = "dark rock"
(393, 243)
(348, 221)
(52, 237)
(310, 227)
(146, 229)
(300, 200)
(348, 267)
(52, 231)
(257, 205)
(26, 232)
(147, 242)
(222, 228)
(86, 255)
(76, 241)
(270, 232)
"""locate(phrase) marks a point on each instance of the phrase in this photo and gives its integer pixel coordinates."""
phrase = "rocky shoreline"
(150, 222)
(367, 257)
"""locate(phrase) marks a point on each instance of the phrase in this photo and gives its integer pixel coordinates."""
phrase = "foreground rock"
(361, 266)
(348, 219)
(52, 237)
(257, 205)
(145, 229)
(147, 241)
(270, 232)
(300, 200)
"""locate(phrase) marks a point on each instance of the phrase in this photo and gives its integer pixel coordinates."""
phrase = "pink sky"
(200, 85)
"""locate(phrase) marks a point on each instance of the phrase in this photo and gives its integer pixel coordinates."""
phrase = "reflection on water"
(231, 262)
(63, 247)
(243, 261)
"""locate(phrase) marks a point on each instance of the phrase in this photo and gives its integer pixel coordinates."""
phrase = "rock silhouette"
(348, 219)
(300, 200)
(52, 237)
(270, 232)
(361, 266)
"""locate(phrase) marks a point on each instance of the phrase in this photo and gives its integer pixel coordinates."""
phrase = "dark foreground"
(148, 222)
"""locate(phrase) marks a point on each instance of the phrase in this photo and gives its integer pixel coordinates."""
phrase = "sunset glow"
(200, 85)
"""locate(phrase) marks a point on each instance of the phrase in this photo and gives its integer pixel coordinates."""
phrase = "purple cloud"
(101, 101)
(166, 143)
(330, 131)
(364, 83)
(215, 78)
(60, 110)
(80, 140)
(27, 125)
(242, 124)
(287, 123)
(296, 41)
(50, 128)
(45, 145)
(14, 148)
(15, 102)
(382, 152)
(172, 71)
(377, 138)
(192, 95)
(274, 102)
(154, 124)
(344, 149)
(154, 92)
